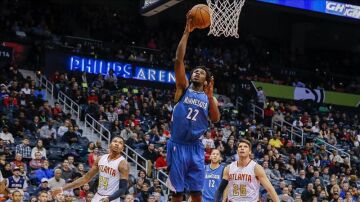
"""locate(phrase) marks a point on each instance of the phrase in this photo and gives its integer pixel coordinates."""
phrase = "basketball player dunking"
(244, 177)
(113, 178)
(195, 105)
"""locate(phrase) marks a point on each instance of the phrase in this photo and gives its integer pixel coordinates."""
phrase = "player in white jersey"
(244, 178)
(113, 172)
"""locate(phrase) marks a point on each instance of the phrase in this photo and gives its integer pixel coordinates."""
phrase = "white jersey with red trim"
(109, 175)
(243, 185)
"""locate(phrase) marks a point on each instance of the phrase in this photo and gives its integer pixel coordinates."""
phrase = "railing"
(257, 111)
(136, 158)
(329, 148)
(162, 177)
(294, 131)
(96, 128)
(239, 102)
(69, 105)
(43, 82)
(298, 132)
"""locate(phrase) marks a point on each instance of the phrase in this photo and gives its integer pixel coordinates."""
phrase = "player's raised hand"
(189, 23)
(209, 88)
(56, 191)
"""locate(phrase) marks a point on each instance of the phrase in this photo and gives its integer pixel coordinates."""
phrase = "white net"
(225, 17)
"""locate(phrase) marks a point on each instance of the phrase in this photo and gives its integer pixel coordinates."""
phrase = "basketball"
(200, 16)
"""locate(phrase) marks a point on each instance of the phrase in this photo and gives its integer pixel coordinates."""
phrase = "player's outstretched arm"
(264, 180)
(214, 113)
(79, 182)
(123, 183)
(224, 182)
(180, 75)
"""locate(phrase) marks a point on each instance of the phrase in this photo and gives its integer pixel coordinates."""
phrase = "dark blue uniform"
(185, 152)
(212, 182)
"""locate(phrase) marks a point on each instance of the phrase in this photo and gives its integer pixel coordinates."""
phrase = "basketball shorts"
(186, 164)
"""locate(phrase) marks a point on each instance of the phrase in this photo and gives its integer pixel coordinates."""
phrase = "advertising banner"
(303, 94)
(322, 6)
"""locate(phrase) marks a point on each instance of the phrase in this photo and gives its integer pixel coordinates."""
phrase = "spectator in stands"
(47, 132)
(6, 171)
(67, 172)
(302, 181)
(37, 162)
(112, 116)
(93, 98)
(144, 193)
(16, 181)
(17, 196)
(110, 80)
(47, 109)
(126, 133)
(160, 163)
(16, 129)
(275, 141)
(70, 136)
(335, 157)
(6, 136)
(142, 175)
(99, 82)
(63, 128)
(44, 186)
(297, 123)
(57, 180)
(57, 111)
(35, 126)
(18, 162)
(261, 98)
(207, 140)
(85, 189)
(286, 196)
(2, 146)
(308, 194)
(150, 153)
(24, 149)
(93, 156)
(39, 147)
(42, 196)
(44, 172)
(71, 161)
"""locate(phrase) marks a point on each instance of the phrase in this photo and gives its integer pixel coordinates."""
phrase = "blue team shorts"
(186, 164)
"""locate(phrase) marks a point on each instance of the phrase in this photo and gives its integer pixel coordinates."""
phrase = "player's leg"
(196, 196)
(195, 177)
(177, 169)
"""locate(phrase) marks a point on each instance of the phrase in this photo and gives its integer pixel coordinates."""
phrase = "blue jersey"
(190, 117)
(212, 182)
(16, 184)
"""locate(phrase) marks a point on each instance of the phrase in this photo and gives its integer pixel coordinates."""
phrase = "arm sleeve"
(123, 185)
(219, 192)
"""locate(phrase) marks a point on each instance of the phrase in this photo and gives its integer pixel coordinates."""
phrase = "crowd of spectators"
(44, 147)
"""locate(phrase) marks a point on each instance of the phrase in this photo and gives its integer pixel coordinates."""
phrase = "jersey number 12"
(211, 183)
(192, 114)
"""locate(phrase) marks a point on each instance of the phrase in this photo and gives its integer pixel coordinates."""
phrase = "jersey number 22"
(192, 114)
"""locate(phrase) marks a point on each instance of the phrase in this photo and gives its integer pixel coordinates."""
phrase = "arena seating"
(141, 115)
